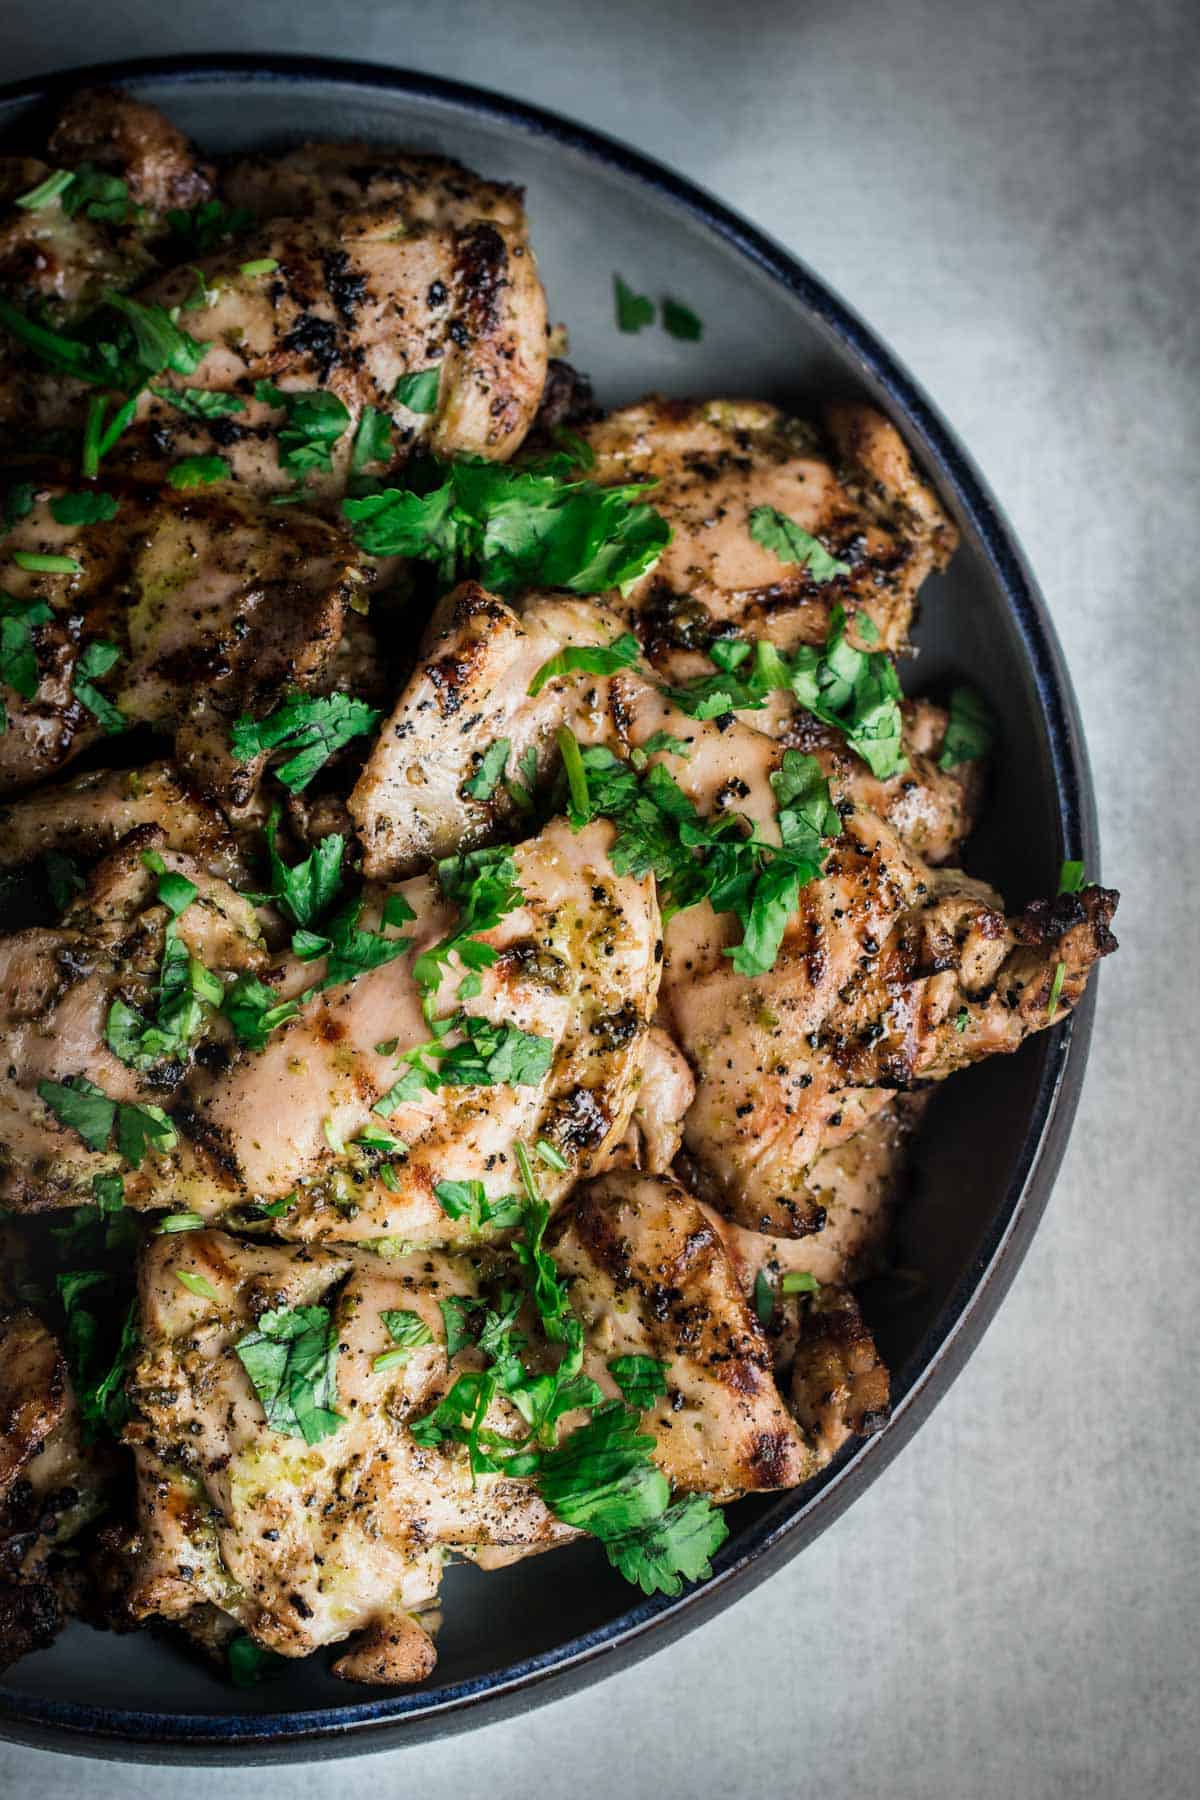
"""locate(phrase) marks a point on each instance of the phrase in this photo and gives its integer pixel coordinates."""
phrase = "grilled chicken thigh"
(650, 1276)
(88, 815)
(330, 180)
(57, 985)
(308, 1543)
(305, 1544)
(51, 1485)
(470, 689)
(715, 462)
(576, 967)
(217, 605)
(890, 975)
(65, 254)
(349, 302)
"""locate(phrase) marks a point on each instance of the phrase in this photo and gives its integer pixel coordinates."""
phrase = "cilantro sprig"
(291, 1359)
(855, 691)
(87, 1110)
(792, 544)
(311, 728)
(186, 993)
(970, 729)
(718, 859)
(514, 527)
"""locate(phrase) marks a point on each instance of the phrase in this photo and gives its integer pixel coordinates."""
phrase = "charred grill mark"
(614, 1030)
(578, 1120)
(347, 289)
(318, 339)
(481, 274)
(769, 1462)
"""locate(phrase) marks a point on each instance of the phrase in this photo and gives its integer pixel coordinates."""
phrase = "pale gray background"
(1008, 191)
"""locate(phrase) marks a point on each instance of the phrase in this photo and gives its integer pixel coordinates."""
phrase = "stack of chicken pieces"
(703, 1135)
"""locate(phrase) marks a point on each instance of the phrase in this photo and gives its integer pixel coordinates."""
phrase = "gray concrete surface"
(1009, 193)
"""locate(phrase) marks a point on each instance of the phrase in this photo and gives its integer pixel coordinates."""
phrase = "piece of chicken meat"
(650, 1276)
(51, 1484)
(306, 1544)
(418, 795)
(57, 987)
(217, 605)
(855, 490)
(576, 968)
(64, 252)
(88, 815)
(335, 307)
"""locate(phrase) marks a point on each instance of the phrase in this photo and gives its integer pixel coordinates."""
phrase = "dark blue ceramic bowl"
(991, 1145)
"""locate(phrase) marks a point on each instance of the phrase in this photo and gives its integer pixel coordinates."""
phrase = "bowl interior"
(592, 217)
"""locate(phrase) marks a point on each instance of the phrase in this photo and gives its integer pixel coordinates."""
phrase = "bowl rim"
(795, 1518)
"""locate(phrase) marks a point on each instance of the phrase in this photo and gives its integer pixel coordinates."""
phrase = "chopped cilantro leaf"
(201, 403)
(679, 321)
(483, 885)
(18, 657)
(98, 195)
(641, 1379)
(255, 1010)
(196, 1284)
(83, 1107)
(97, 1369)
(791, 543)
(97, 659)
(676, 1547)
(314, 423)
(408, 1332)
(372, 440)
(590, 659)
(204, 227)
(160, 343)
(198, 471)
(250, 1663)
(310, 728)
(419, 391)
(291, 1359)
(186, 992)
(468, 1200)
(306, 890)
(88, 508)
(633, 310)
(1071, 878)
(482, 785)
(970, 729)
